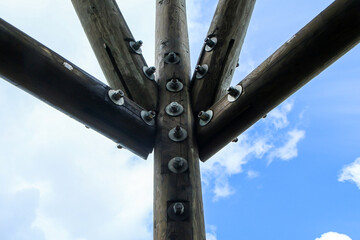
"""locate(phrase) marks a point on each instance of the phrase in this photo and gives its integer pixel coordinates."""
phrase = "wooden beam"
(173, 62)
(320, 43)
(41, 72)
(110, 38)
(228, 27)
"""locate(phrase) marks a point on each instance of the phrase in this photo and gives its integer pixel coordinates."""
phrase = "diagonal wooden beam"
(110, 38)
(41, 72)
(227, 32)
(320, 43)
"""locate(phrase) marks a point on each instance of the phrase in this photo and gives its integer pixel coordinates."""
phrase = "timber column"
(178, 208)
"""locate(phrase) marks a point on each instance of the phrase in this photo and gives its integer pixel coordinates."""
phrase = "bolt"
(119, 146)
(232, 91)
(265, 116)
(174, 107)
(203, 116)
(178, 163)
(178, 132)
(137, 45)
(210, 42)
(179, 208)
(117, 95)
(150, 115)
(235, 140)
(200, 69)
(238, 64)
(175, 83)
(171, 57)
(150, 71)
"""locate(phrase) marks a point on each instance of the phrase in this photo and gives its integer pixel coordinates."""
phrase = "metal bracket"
(201, 71)
(174, 85)
(148, 117)
(205, 117)
(178, 165)
(210, 43)
(178, 211)
(178, 134)
(174, 109)
(172, 58)
(234, 93)
(149, 72)
(116, 96)
(136, 46)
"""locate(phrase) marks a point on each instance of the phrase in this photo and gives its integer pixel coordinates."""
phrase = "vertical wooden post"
(173, 62)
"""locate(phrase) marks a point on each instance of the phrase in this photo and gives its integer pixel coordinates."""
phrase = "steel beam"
(320, 43)
(41, 72)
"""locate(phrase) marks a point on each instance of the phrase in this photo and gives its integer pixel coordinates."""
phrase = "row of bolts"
(178, 134)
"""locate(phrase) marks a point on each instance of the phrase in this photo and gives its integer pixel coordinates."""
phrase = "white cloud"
(278, 116)
(351, 172)
(252, 174)
(333, 236)
(289, 149)
(211, 235)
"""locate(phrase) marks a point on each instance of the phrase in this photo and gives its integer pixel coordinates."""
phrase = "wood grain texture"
(109, 37)
(320, 43)
(172, 36)
(229, 26)
(41, 72)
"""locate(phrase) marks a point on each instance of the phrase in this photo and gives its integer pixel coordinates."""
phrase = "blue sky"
(294, 175)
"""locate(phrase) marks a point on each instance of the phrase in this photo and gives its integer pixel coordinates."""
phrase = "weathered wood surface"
(229, 27)
(172, 36)
(109, 37)
(41, 72)
(320, 43)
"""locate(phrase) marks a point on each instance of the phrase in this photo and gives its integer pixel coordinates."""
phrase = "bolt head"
(178, 163)
(117, 95)
(179, 208)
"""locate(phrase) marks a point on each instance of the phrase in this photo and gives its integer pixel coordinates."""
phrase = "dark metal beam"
(110, 38)
(221, 52)
(41, 72)
(320, 43)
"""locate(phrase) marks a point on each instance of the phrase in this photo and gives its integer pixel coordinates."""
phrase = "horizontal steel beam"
(320, 43)
(41, 72)
(221, 52)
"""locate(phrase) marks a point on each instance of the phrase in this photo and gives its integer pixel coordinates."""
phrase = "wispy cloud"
(211, 234)
(289, 150)
(333, 236)
(351, 173)
(277, 141)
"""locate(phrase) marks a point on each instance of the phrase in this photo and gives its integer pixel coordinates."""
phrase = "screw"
(175, 83)
(150, 115)
(179, 208)
(233, 91)
(178, 163)
(150, 71)
(174, 107)
(178, 132)
(171, 57)
(137, 45)
(200, 69)
(210, 42)
(117, 95)
(203, 116)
